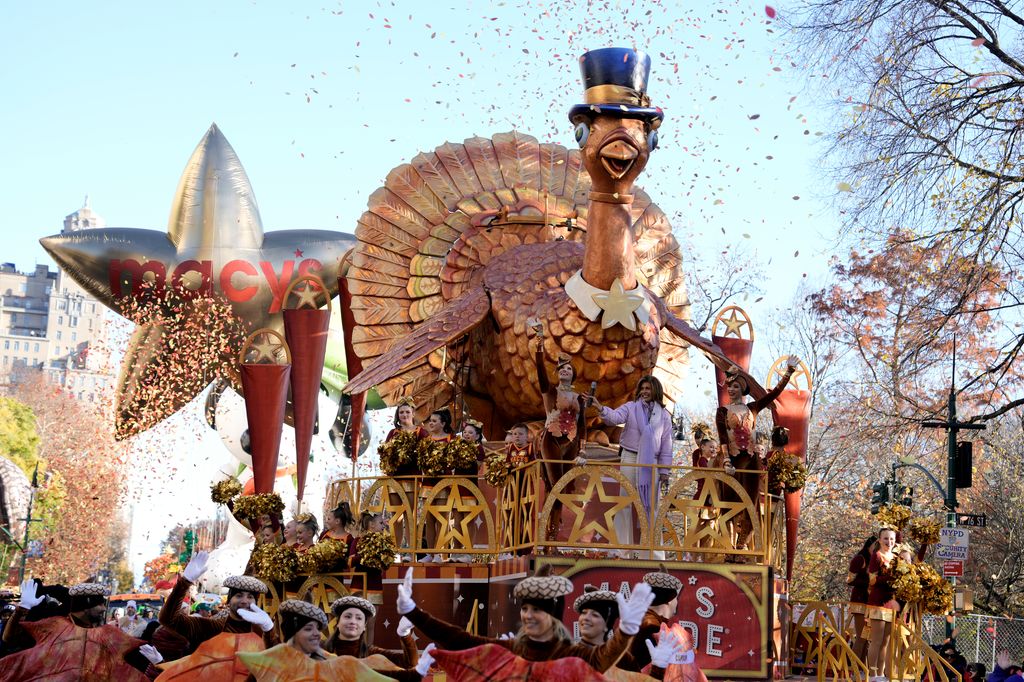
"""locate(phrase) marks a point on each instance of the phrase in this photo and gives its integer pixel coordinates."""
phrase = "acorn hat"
(294, 614)
(339, 606)
(615, 83)
(244, 583)
(604, 602)
(544, 591)
(87, 595)
(665, 586)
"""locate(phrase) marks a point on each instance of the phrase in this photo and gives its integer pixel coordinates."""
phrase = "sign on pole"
(953, 544)
(952, 569)
(971, 520)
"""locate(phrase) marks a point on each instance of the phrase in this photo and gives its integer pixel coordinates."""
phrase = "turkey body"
(528, 282)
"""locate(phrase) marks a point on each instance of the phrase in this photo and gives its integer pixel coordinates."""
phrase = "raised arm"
(615, 417)
(542, 372)
(446, 635)
(768, 398)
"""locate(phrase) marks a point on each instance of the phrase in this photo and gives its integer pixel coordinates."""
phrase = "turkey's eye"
(652, 140)
(582, 133)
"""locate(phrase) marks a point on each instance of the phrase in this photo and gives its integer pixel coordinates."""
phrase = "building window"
(36, 349)
(60, 320)
(74, 321)
(17, 345)
(7, 344)
(74, 336)
(58, 335)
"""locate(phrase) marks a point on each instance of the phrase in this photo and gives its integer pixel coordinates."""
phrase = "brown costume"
(197, 629)
(448, 636)
(564, 431)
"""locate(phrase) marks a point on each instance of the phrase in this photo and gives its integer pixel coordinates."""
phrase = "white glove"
(792, 362)
(404, 627)
(196, 567)
(507, 635)
(631, 612)
(668, 649)
(29, 598)
(256, 616)
(151, 654)
(405, 600)
(426, 660)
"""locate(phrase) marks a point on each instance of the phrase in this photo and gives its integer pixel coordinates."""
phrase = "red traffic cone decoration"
(266, 366)
(354, 365)
(730, 331)
(305, 327)
(792, 409)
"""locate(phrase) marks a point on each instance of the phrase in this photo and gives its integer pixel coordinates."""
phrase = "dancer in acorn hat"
(301, 625)
(243, 613)
(542, 636)
(665, 589)
(77, 645)
(349, 639)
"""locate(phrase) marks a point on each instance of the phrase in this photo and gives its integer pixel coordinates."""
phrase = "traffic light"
(905, 496)
(964, 463)
(879, 496)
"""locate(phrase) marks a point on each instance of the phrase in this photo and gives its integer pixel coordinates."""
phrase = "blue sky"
(321, 100)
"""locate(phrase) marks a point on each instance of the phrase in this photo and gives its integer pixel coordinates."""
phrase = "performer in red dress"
(565, 427)
(736, 422)
(882, 606)
(438, 429)
(858, 580)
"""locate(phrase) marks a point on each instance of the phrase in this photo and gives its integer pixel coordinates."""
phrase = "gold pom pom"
(432, 457)
(276, 563)
(462, 454)
(907, 583)
(223, 492)
(894, 515)
(785, 472)
(925, 531)
(497, 468)
(376, 550)
(326, 556)
(398, 452)
(255, 506)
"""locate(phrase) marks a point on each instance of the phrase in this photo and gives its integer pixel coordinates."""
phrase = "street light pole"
(953, 427)
(28, 522)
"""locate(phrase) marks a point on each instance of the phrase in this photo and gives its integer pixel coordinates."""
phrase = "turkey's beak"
(618, 157)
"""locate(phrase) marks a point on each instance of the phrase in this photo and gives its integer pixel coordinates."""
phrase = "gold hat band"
(615, 94)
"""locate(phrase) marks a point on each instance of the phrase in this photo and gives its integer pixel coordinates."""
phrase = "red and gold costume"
(859, 582)
(564, 431)
(882, 604)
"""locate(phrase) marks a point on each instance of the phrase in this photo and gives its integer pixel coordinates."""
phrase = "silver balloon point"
(214, 204)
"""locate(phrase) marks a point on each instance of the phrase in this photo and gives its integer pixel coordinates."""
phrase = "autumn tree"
(928, 147)
(86, 465)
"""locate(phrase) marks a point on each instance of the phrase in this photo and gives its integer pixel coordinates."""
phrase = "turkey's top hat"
(615, 83)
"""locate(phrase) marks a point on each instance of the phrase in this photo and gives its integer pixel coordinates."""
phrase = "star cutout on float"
(265, 349)
(307, 295)
(214, 246)
(577, 503)
(734, 324)
(618, 306)
(693, 580)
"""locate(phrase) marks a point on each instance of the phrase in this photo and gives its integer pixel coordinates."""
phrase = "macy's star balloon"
(214, 247)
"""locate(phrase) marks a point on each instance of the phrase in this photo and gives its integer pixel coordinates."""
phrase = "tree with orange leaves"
(82, 456)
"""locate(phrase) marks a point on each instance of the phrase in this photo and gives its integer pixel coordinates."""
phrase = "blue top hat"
(615, 83)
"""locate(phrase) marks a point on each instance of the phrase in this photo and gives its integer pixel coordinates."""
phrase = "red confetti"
(978, 42)
(770, 11)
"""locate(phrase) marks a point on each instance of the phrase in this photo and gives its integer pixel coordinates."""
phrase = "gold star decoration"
(264, 348)
(734, 324)
(307, 295)
(577, 503)
(618, 306)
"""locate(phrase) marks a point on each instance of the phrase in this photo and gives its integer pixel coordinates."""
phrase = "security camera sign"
(953, 544)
